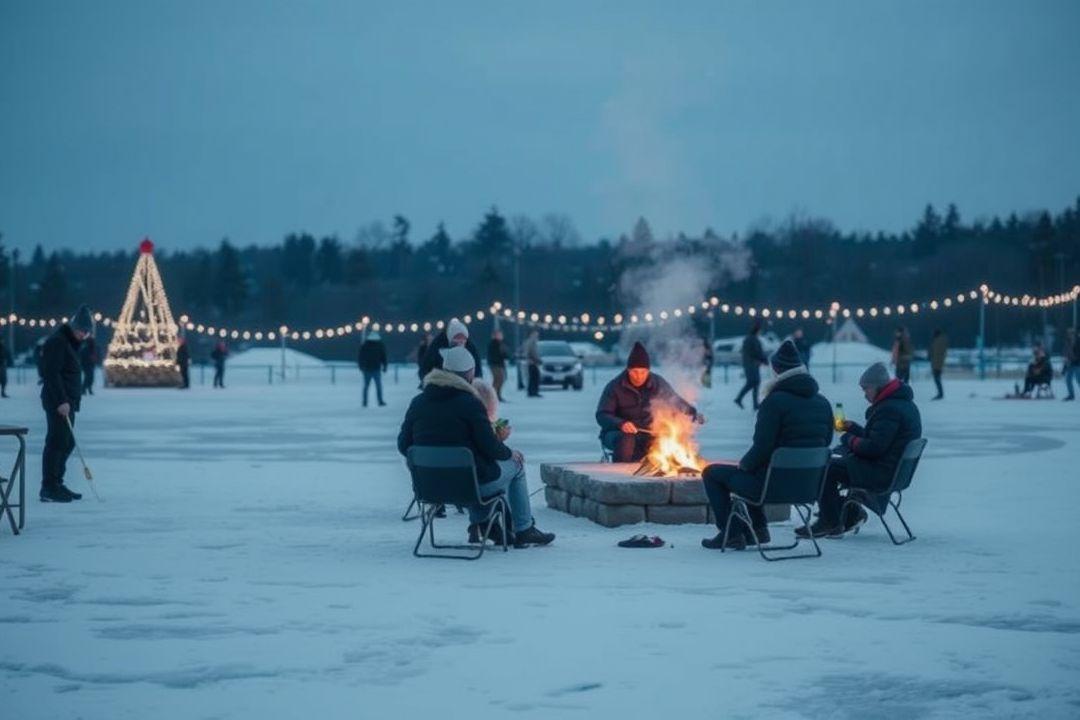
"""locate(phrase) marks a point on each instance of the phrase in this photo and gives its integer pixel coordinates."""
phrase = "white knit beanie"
(456, 327)
(457, 359)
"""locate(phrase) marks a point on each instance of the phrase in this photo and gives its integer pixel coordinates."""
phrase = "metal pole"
(981, 340)
(282, 357)
(517, 293)
(11, 300)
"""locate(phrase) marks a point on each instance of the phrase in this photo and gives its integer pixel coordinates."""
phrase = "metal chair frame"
(17, 479)
(809, 459)
(453, 457)
(900, 482)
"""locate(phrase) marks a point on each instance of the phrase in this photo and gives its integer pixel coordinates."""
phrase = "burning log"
(673, 452)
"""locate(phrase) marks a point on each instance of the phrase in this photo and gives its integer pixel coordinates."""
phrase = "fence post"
(202, 374)
(333, 374)
(269, 374)
(397, 366)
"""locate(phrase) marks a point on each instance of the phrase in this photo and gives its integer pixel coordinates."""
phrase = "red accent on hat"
(146, 247)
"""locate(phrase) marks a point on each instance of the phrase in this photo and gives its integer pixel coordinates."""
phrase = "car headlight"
(577, 367)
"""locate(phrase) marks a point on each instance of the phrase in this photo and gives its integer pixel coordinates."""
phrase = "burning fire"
(673, 451)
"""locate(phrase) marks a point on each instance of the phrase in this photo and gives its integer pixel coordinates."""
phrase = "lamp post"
(11, 300)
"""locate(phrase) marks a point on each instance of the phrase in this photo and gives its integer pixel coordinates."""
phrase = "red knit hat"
(639, 357)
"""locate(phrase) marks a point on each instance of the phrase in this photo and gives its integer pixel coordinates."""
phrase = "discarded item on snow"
(642, 541)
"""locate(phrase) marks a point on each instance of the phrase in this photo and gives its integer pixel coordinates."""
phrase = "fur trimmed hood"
(793, 372)
(445, 379)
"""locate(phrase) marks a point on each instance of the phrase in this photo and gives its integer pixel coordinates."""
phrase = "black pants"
(3, 380)
(838, 477)
(753, 382)
(534, 380)
(88, 380)
(219, 375)
(626, 448)
(937, 381)
(58, 446)
(720, 481)
(185, 376)
(903, 370)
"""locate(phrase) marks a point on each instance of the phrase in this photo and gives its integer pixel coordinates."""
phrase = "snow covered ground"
(249, 561)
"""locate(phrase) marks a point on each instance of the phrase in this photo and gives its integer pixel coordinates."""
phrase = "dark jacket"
(793, 414)
(61, 372)
(449, 413)
(183, 356)
(88, 354)
(433, 359)
(939, 349)
(1039, 371)
(753, 357)
(1072, 352)
(892, 422)
(5, 357)
(497, 354)
(218, 355)
(621, 401)
(372, 356)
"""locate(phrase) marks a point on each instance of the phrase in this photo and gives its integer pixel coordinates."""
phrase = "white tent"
(272, 356)
(850, 332)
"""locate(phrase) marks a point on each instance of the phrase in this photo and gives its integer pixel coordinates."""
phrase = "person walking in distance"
(5, 363)
(902, 353)
(88, 358)
(532, 358)
(1072, 361)
(61, 393)
(753, 357)
(183, 361)
(373, 363)
(220, 352)
(939, 349)
(497, 355)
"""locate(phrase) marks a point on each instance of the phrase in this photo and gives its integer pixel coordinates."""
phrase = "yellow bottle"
(839, 420)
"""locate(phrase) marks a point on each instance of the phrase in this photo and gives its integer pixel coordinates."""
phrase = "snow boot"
(854, 518)
(495, 536)
(736, 541)
(532, 536)
(762, 533)
(74, 495)
(54, 493)
(820, 529)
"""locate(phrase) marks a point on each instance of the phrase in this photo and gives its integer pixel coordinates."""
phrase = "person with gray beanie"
(61, 393)
(450, 412)
(870, 453)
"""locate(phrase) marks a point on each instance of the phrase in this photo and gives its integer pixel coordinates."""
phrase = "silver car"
(559, 365)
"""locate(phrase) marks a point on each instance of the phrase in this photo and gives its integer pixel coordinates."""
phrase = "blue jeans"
(512, 481)
(377, 377)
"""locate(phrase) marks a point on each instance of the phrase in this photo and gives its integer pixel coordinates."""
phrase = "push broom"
(86, 468)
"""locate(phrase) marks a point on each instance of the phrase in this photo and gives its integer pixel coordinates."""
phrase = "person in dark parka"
(373, 363)
(753, 357)
(449, 413)
(5, 363)
(61, 392)
(793, 414)
(183, 361)
(457, 333)
(88, 358)
(624, 412)
(218, 355)
(872, 452)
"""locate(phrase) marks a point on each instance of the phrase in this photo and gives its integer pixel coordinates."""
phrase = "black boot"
(532, 536)
(54, 493)
(74, 495)
(736, 541)
(495, 536)
(762, 533)
(854, 518)
(820, 529)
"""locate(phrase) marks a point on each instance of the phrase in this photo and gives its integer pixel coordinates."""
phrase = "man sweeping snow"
(61, 393)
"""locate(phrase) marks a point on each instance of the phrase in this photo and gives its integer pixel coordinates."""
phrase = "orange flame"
(673, 448)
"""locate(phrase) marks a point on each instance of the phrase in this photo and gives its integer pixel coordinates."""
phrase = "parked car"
(590, 354)
(560, 365)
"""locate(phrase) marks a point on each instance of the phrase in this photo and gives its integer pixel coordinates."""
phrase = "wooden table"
(7, 485)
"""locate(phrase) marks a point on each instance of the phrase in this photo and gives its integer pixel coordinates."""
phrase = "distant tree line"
(388, 271)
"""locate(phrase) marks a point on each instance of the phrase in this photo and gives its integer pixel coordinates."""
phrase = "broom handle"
(86, 470)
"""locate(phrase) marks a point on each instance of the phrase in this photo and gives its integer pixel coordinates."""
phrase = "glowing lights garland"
(599, 325)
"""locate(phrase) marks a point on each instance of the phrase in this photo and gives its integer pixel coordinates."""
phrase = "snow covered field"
(249, 561)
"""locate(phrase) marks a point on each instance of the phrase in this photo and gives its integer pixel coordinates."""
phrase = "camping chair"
(1044, 390)
(879, 503)
(796, 476)
(447, 476)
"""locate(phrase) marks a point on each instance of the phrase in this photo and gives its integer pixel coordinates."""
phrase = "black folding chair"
(879, 503)
(447, 476)
(605, 454)
(796, 476)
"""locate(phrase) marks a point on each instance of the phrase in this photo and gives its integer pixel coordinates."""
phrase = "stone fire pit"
(609, 494)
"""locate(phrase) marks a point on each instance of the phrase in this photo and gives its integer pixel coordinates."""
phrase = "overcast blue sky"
(190, 121)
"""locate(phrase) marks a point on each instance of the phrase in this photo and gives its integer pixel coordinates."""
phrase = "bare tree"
(558, 230)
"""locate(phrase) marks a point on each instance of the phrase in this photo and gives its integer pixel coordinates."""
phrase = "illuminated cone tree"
(143, 348)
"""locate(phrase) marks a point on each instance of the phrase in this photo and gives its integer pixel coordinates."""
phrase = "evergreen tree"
(53, 286)
(230, 291)
(329, 262)
(297, 260)
(927, 233)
